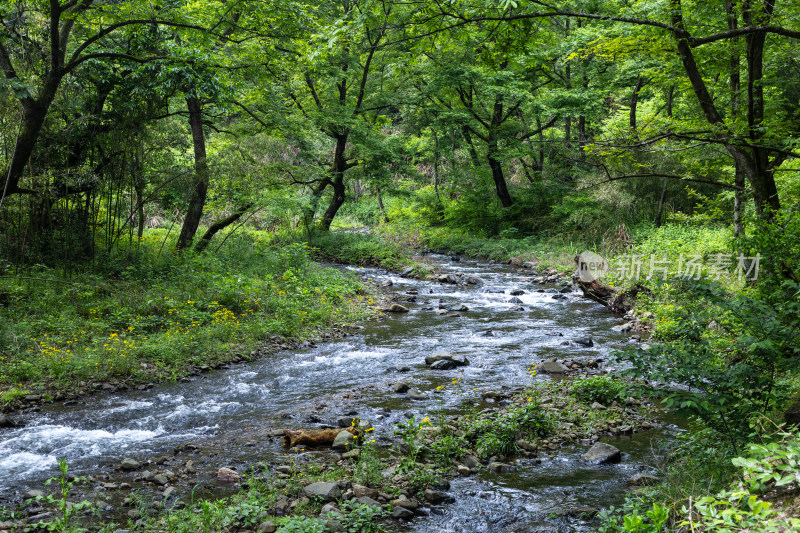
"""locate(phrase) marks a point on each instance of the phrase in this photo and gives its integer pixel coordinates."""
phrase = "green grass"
(149, 313)
(363, 249)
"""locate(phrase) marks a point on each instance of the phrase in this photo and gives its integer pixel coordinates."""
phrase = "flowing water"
(229, 412)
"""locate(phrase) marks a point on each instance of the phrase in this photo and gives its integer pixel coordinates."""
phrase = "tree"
(35, 62)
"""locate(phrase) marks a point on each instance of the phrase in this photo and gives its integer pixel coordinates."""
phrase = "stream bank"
(232, 418)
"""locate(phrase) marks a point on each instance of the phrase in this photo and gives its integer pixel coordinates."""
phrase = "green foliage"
(602, 389)
(653, 520)
(498, 435)
(369, 468)
(166, 311)
(773, 464)
(62, 504)
(303, 524)
(727, 350)
(359, 518)
(360, 249)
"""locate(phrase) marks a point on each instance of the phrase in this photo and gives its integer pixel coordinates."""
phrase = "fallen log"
(313, 437)
(618, 302)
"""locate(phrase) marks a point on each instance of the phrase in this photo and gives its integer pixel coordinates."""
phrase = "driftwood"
(313, 437)
(619, 302)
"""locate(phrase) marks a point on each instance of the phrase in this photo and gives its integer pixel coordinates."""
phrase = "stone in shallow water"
(602, 453)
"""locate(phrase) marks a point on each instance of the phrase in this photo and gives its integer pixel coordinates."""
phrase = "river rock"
(345, 421)
(344, 441)
(443, 364)
(526, 445)
(459, 308)
(602, 453)
(397, 308)
(359, 491)
(552, 367)
(517, 292)
(474, 280)
(405, 502)
(402, 513)
(326, 490)
(584, 341)
(401, 388)
(366, 500)
(435, 497)
(387, 283)
(514, 300)
(598, 406)
(463, 470)
(6, 422)
(414, 394)
(642, 480)
(471, 461)
(129, 464)
(624, 328)
(352, 454)
(456, 359)
(267, 527)
(161, 479)
(407, 271)
(329, 507)
(500, 468)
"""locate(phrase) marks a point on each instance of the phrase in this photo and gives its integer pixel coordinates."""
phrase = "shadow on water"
(228, 413)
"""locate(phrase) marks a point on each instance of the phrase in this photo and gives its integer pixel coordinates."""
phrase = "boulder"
(401, 388)
(470, 461)
(414, 394)
(463, 470)
(584, 341)
(397, 308)
(602, 453)
(443, 364)
(552, 367)
(406, 503)
(325, 490)
(474, 280)
(642, 480)
(624, 328)
(514, 300)
(359, 491)
(344, 441)
(435, 497)
(267, 527)
(366, 500)
(6, 422)
(460, 308)
(500, 468)
(402, 513)
(455, 359)
(161, 479)
(129, 464)
(517, 292)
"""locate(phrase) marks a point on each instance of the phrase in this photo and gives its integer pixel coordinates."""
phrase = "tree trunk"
(338, 198)
(218, 226)
(661, 204)
(738, 207)
(201, 177)
(634, 101)
(493, 155)
(752, 160)
(380, 205)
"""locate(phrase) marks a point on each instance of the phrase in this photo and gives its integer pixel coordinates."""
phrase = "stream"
(230, 413)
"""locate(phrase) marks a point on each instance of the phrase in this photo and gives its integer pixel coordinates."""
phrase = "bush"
(601, 389)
